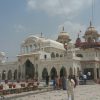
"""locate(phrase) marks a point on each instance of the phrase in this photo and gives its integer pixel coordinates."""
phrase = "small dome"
(91, 30)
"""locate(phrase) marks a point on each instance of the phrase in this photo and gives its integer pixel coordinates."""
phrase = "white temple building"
(40, 57)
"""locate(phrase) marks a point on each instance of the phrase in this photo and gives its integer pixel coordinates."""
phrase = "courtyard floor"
(82, 92)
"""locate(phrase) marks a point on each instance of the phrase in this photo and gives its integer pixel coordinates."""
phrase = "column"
(99, 72)
(95, 73)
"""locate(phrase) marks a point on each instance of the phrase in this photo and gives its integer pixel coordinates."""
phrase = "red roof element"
(78, 42)
(90, 45)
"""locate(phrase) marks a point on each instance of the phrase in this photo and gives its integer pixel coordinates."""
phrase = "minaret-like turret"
(78, 41)
(91, 34)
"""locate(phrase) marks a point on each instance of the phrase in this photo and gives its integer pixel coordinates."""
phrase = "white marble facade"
(40, 57)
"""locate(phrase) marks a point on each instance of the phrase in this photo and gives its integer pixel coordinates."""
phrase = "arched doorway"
(15, 74)
(78, 71)
(36, 72)
(29, 70)
(53, 73)
(19, 73)
(3, 75)
(44, 73)
(63, 72)
(9, 75)
(70, 71)
(74, 71)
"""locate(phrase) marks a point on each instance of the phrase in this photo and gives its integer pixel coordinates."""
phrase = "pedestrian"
(57, 82)
(75, 80)
(60, 82)
(64, 83)
(54, 83)
(89, 75)
(47, 80)
(85, 78)
(70, 88)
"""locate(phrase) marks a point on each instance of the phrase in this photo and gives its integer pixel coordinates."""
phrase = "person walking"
(47, 80)
(64, 83)
(70, 88)
(85, 78)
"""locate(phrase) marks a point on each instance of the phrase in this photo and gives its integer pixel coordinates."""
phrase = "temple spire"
(63, 28)
(41, 34)
(79, 34)
(90, 23)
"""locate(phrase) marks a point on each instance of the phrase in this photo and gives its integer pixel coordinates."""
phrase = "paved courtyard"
(82, 92)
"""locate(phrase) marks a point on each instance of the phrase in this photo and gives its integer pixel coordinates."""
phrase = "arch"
(36, 72)
(44, 73)
(15, 74)
(78, 71)
(19, 72)
(57, 55)
(70, 71)
(63, 72)
(0, 75)
(3, 75)
(52, 55)
(74, 71)
(29, 70)
(9, 76)
(53, 73)
(61, 55)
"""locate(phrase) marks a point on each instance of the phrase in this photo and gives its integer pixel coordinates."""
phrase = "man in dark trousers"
(47, 80)
(64, 83)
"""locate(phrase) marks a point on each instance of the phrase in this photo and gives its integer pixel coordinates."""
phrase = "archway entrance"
(70, 71)
(63, 72)
(29, 70)
(53, 73)
(9, 75)
(15, 74)
(3, 75)
(44, 73)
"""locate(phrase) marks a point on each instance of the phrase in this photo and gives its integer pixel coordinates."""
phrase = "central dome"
(63, 37)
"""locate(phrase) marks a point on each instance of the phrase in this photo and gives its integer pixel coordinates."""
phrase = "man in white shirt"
(84, 78)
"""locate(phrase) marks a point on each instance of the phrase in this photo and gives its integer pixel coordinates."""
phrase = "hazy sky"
(20, 18)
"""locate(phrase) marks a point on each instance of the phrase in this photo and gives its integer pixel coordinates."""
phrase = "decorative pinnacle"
(79, 33)
(90, 23)
(63, 28)
(41, 34)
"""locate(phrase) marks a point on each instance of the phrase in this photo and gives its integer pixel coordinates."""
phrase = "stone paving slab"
(81, 92)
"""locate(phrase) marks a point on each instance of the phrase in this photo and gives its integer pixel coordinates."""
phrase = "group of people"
(85, 77)
(65, 84)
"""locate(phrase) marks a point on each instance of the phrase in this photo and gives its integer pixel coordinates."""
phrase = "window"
(45, 56)
(52, 55)
(61, 55)
(57, 55)
(79, 55)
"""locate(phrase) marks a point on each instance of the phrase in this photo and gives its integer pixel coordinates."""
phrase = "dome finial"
(90, 23)
(63, 28)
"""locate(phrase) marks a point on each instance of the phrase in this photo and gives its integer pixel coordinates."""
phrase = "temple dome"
(91, 30)
(63, 37)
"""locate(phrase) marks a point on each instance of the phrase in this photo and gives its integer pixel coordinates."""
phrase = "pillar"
(99, 72)
(95, 73)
